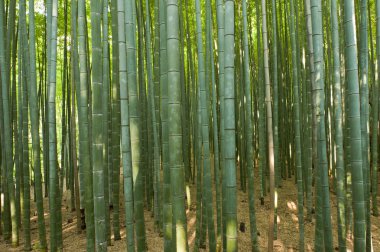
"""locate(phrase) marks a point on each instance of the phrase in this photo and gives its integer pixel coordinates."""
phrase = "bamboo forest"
(189, 125)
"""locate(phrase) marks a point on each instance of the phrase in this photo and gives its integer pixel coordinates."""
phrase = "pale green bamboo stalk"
(53, 169)
(135, 124)
(352, 89)
(320, 98)
(97, 130)
(175, 128)
(220, 23)
(125, 130)
(229, 129)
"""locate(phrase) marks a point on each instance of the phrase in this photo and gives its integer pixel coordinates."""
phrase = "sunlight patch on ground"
(34, 218)
(123, 234)
(69, 228)
(294, 217)
(309, 247)
(291, 205)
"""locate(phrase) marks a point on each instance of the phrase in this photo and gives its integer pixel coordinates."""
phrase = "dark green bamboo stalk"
(25, 76)
(217, 176)
(268, 100)
(199, 239)
(25, 154)
(106, 117)
(19, 146)
(115, 124)
(76, 78)
(24, 79)
(63, 169)
(296, 111)
(152, 105)
(312, 111)
(11, 38)
(202, 75)
(75, 81)
(15, 130)
(156, 79)
(47, 63)
(249, 131)
(34, 119)
(167, 204)
(84, 136)
(275, 112)
(7, 129)
(210, 62)
(142, 101)
(340, 172)
(364, 112)
(261, 105)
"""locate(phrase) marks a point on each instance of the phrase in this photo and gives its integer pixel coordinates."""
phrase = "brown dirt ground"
(287, 225)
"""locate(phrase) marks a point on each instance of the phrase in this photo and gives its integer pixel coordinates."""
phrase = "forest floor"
(287, 239)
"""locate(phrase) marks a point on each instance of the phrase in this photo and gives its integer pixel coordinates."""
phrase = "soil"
(287, 239)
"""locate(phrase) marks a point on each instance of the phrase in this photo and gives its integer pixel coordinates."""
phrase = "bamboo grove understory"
(125, 105)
